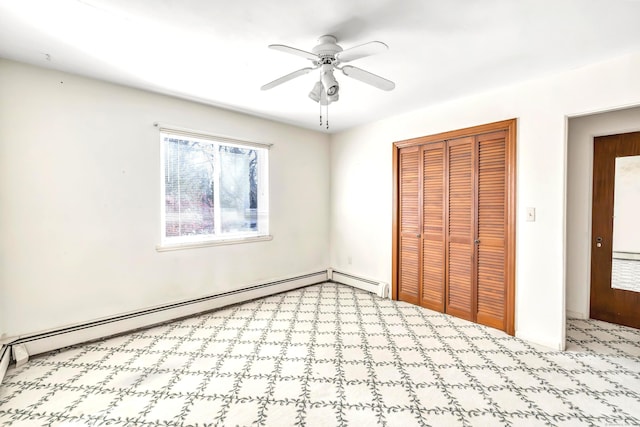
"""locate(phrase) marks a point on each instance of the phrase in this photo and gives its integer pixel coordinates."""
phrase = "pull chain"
(320, 104)
(327, 114)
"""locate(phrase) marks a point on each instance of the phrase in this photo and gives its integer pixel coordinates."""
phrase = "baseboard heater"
(26, 346)
(20, 349)
(379, 288)
(5, 358)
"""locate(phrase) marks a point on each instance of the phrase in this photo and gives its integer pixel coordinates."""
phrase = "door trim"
(510, 239)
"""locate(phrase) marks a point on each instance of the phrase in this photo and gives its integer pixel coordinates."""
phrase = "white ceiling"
(215, 51)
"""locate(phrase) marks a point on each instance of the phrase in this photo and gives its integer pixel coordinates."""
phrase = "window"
(214, 190)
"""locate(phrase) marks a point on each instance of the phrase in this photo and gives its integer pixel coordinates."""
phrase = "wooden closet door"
(433, 222)
(454, 223)
(410, 193)
(460, 284)
(491, 259)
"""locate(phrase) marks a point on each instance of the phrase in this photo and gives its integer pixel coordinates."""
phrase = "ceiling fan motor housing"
(327, 49)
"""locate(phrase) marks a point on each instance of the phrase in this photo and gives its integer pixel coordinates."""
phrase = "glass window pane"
(189, 190)
(238, 189)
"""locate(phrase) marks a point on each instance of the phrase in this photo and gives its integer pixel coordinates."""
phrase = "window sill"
(194, 245)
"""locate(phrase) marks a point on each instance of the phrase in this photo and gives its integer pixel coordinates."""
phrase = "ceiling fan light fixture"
(333, 90)
(316, 92)
(329, 81)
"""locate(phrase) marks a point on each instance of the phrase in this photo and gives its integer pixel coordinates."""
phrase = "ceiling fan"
(328, 56)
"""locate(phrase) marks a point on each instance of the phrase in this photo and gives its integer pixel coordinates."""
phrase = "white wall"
(579, 188)
(362, 171)
(3, 328)
(80, 202)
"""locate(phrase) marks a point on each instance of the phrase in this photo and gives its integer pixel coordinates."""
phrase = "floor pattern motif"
(329, 355)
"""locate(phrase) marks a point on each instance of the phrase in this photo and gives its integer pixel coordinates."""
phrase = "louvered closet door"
(460, 288)
(454, 240)
(491, 234)
(433, 222)
(410, 210)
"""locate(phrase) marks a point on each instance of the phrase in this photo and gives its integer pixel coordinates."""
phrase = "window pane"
(189, 189)
(238, 189)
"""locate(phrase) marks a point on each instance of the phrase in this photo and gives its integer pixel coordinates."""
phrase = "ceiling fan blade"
(286, 78)
(367, 77)
(361, 51)
(294, 51)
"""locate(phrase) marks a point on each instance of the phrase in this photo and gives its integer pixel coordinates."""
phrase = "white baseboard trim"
(5, 358)
(379, 288)
(576, 315)
(543, 342)
(94, 330)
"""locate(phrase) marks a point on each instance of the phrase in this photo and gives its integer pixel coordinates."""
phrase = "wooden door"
(491, 230)
(433, 226)
(460, 218)
(607, 303)
(410, 210)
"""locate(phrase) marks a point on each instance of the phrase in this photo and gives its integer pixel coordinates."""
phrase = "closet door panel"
(460, 232)
(491, 259)
(433, 238)
(410, 212)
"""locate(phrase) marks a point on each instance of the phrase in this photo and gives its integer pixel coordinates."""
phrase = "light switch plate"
(531, 214)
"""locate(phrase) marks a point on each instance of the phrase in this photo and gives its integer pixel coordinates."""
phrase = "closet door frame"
(510, 238)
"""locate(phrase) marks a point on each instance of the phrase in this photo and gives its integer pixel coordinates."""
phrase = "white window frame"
(218, 238)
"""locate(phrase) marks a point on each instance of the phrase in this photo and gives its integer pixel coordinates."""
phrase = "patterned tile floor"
(625, 274)
(329, 355)
(602, 338)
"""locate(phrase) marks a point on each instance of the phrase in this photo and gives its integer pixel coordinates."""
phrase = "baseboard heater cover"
(5, 358)
(379, 288)
(91, 331)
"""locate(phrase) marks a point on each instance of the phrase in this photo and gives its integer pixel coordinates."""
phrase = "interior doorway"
(580, 139)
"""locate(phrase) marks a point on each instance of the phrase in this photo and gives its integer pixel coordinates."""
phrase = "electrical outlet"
(349, 260)
(531, 214)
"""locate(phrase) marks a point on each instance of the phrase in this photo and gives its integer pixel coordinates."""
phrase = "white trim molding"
(193, 245)
(576, 315)
(537, 340)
